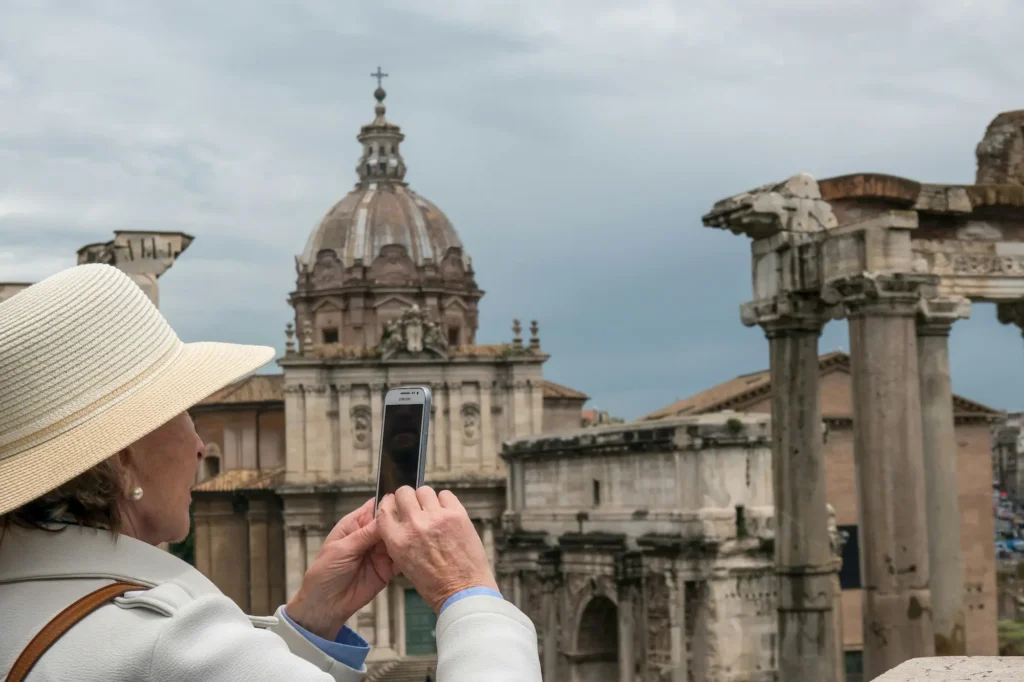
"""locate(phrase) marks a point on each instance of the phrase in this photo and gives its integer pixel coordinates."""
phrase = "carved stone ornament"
(470, 424)
(880, 288)
(362, 418)
(787, 311)
(328, 270)
(414, 333)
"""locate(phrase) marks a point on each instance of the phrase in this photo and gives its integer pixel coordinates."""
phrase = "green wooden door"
(420, 626)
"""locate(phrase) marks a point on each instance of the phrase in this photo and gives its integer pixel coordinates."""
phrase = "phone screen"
(399, 448)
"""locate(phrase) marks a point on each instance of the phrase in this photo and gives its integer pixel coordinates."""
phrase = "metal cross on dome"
(380, 76)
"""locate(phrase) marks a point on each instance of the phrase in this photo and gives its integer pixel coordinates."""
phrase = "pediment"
(329, 302)
(453, 302)
(404, 301)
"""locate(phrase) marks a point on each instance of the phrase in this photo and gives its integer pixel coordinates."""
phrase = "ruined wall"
(1001, 152)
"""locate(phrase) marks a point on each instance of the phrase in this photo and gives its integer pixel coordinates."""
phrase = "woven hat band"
(71, 347)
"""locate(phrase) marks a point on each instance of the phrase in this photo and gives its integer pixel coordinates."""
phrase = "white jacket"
(184, 628)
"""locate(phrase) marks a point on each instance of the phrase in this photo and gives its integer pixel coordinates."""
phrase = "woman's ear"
(125, 462)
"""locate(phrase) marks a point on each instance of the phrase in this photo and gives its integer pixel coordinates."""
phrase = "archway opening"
(597, 643)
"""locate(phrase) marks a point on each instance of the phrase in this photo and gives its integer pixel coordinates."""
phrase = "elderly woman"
(97, 458)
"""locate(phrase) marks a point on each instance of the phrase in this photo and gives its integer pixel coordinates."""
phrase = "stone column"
(346, 453)
(376, 412)
(803, 555)
(888, 449)
(398, 600)
(259, 558)
(489, 445)
(381, 621)
(677, 628)
(627, 635)
(455, 399)
(315, 536)
(488, 540)
(295, 433)
(549, 662)
(439, 429)
(945, 562)
(294, 560)
(318, 432)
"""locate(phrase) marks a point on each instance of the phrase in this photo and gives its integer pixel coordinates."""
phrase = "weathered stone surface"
(891, 188)
(957, 669)
(1001, 152)
(935, 320)
(791, 206)
(672, 521)
(143, 256)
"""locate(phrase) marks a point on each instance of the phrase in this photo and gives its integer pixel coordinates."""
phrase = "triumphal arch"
(901, 260)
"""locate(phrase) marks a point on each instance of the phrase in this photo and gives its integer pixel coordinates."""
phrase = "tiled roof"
(258, 388)
(242, 479)
(553, 390)
(738, 393)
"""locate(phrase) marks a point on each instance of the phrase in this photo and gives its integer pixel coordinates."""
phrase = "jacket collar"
(79, 552)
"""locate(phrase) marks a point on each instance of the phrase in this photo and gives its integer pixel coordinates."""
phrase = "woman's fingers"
(427, 498)
(448, 500)
(408, 503)
(351, 522)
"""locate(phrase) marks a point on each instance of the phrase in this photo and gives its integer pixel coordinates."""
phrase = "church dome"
(383, 249)
(382, 213)
(376, 215)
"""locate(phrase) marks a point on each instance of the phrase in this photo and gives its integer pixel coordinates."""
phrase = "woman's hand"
(433, 543)
(350, 569)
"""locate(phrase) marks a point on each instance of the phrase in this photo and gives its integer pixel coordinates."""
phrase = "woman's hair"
(90, 499)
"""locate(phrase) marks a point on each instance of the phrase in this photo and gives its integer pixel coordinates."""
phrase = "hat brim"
(200, 370)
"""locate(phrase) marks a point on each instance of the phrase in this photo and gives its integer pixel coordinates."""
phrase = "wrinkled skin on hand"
(351, 568)
(432, 542)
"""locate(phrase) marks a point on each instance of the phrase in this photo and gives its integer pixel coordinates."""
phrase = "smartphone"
(403, 439)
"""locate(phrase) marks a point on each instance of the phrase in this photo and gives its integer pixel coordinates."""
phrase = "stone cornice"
(687, 433)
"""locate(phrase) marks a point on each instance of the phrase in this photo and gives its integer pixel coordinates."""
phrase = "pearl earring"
(137, 493)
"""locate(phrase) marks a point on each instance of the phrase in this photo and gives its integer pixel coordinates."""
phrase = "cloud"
(574, 144)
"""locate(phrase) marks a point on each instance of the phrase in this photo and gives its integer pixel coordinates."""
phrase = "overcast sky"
(573, 144)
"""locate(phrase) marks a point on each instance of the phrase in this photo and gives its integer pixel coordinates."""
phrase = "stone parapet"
(957, 669)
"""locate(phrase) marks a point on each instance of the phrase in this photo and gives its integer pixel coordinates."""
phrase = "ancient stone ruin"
(901, 260)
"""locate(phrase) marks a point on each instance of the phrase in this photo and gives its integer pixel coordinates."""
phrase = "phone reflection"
(400, 448)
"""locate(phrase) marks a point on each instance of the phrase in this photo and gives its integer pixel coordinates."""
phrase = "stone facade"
(751, 393)
(645, 551)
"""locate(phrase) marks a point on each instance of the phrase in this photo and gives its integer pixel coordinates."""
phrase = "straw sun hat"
(88, 365)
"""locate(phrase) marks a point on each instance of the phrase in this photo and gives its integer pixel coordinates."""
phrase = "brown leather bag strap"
(63, 622)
